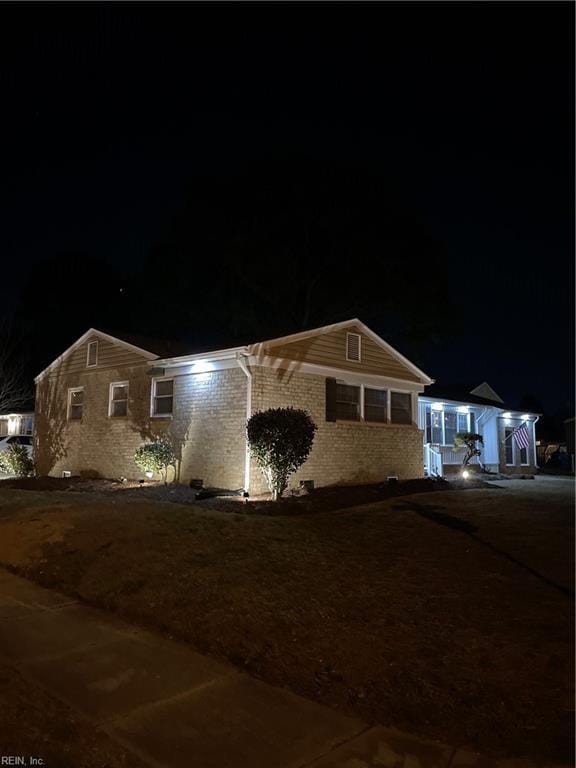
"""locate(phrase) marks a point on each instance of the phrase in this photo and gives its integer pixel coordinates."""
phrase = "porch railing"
(432, 461)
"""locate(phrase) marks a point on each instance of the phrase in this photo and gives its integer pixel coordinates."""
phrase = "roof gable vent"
(353, 347)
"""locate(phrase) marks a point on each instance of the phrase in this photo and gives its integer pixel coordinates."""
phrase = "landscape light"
(465, 474)
(149, 474)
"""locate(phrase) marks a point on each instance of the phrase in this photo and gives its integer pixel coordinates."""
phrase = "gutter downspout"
(244, 366)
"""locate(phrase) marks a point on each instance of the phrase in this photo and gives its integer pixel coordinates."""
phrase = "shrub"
(16, 461)
(468, 440)
(280, 440)
(156, 457)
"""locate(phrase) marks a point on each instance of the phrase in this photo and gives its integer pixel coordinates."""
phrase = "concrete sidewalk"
(172, 707)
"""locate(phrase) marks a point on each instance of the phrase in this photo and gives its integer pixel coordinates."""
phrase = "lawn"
(446, 614)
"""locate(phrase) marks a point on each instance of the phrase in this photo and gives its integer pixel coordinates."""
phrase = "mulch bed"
(327, 499)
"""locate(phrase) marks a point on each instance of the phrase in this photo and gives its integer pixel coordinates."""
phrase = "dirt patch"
(445, 614)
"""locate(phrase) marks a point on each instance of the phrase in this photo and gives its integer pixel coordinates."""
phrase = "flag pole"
(514, 430)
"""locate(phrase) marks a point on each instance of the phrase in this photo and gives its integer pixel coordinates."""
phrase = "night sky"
(223, 173)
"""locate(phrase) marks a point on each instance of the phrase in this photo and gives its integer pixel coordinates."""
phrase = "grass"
(447, 614)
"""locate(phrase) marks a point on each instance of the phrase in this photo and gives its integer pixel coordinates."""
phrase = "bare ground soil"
(447, 614)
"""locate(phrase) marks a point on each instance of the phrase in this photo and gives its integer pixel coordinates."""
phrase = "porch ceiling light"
(437, 406)
(463, 409)
(525, 416)
(507, 415)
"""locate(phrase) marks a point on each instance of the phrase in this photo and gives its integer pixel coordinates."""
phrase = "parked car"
(8, 440)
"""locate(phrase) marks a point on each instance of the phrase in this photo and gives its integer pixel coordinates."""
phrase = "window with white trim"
(75, 403)
(375, 405)
(400, 407)
(353, 347)
(347, 402)
(162, 397)
(355, 402)
(118, 402)
(444, 423)
(92, 354)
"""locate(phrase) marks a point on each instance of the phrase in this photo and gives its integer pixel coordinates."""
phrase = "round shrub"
(280, 440)
(156, 457)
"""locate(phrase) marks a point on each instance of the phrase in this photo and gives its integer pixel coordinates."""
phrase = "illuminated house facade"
(16, 424)
(445, 412)
(105, 396)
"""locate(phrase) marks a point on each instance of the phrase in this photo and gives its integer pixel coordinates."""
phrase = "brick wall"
(207, 427)
(96, 445)
(342, 452)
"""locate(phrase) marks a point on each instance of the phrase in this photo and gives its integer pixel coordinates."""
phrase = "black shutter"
(330, 399)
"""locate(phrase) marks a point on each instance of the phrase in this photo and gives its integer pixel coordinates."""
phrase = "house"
(20, 423)
(106, 395)
(445, 411)
(378, 415)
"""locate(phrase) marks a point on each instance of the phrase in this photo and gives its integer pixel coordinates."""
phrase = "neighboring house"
(444, 412)
(16, 423)
(105, 396)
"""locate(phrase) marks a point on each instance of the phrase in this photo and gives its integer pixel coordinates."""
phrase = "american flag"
(521, 436)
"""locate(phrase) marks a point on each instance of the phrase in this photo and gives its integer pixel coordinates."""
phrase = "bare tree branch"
(15, 390)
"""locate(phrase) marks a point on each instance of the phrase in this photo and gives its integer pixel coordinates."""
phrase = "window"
(463, 422)
(162, 397)
(450, 427)
(118, 405)
(509, 446)
(92, 354)
(26, 425)
(75, 403)
(347, 402)
(400, 408)
(524, 456)
(353, 344)
(375, 404)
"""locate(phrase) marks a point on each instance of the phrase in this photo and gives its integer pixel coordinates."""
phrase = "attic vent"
(92, 355)
(353, 347)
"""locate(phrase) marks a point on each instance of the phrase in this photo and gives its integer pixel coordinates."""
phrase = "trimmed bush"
(156, 457)
(280, 440)
(16, 461)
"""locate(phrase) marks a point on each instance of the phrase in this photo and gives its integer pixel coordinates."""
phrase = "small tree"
(156, 457)
(16, 461)
(470, 441)
(280, 439)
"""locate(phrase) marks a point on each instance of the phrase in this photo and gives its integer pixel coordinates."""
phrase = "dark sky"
(220, 173)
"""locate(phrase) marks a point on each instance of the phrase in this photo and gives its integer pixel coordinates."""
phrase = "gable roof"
(357, 324)
(172, 352)
(85, 336)
(464, 394)
(485, 390)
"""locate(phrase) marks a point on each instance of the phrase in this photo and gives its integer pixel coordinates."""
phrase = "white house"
(443, 412)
